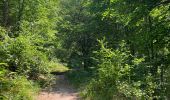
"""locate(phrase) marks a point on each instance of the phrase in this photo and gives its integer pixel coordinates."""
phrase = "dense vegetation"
(119, 49)
(27, 35)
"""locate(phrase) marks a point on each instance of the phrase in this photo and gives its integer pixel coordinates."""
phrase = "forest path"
(62, 90)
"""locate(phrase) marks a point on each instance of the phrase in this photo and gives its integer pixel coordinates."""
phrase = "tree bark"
(5, 10)
(20, 13)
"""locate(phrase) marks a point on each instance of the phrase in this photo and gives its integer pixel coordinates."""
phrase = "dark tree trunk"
(5, 10)
(20, 13)
(85, 52)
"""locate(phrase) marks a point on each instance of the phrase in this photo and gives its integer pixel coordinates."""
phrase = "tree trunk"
(20, 13)
(5, 12)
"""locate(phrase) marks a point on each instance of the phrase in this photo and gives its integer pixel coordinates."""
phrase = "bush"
(14, 87)
(79, 78)
(120, 76)
(23, 57)
(21, 66)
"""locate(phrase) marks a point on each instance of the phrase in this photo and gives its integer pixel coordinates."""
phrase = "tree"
(73, 29)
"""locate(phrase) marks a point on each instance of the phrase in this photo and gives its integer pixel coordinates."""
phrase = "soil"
(62, 90)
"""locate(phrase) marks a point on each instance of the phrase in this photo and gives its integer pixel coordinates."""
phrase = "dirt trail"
(62, 90)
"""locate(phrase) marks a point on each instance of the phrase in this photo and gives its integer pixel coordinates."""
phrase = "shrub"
(14, 87)
(79, 78)
(120, 76)
(23, 57)
(22, 54)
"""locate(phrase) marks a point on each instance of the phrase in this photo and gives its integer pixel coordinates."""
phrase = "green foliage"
(16, 87)
(74, 36)
(79, 78)
(56, 66)
(21, 61)
(24, 57)
(27, 35)
(135, 69)
(131, 63)
(120, 75)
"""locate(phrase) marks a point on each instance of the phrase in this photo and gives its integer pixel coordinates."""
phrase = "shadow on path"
(61, 90)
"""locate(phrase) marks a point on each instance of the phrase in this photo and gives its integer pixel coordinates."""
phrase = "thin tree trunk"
(5, 12)
(20, 13)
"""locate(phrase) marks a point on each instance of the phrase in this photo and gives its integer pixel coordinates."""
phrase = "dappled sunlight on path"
(62, 90)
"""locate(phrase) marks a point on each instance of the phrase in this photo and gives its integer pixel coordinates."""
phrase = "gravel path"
(61, 91)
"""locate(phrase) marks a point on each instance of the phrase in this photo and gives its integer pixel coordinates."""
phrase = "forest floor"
(61, 90)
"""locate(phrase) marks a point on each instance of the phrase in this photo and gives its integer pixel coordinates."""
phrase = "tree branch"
(163, 3)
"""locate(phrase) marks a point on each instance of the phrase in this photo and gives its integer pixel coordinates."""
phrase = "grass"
(18, 88)
(57, 67)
